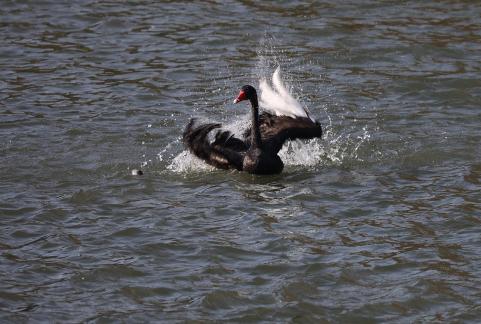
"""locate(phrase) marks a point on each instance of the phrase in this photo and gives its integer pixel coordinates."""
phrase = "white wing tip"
(279, 100)
(277, 71)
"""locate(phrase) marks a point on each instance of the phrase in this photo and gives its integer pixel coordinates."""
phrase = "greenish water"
(377, 222)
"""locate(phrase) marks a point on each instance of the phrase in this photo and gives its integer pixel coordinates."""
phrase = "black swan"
(258, 151)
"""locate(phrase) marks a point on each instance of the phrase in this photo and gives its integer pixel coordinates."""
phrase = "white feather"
(280, 101)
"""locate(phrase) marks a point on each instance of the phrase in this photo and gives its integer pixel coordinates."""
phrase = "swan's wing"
(226, 152)
(279, 100)
(289, 101)
(227, 140)
(275, 130)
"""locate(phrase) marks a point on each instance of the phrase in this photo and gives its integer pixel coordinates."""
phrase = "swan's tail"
(196, 138)
(223, 153)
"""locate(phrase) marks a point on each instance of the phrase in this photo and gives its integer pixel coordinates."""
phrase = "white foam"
(185, 162)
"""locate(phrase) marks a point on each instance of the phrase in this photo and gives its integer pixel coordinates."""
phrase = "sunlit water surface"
(377, 222)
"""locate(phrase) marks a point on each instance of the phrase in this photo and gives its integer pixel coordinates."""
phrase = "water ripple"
(376, 222)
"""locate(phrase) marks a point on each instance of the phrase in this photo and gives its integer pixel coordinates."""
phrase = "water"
(377, 222)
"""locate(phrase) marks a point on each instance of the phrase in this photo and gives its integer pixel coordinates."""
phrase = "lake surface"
(377, 222)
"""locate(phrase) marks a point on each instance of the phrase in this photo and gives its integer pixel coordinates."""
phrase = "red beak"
(240, 97)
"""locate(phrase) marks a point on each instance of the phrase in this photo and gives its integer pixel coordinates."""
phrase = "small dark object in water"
(137, 172)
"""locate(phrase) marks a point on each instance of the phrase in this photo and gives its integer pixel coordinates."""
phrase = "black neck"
(255, 133)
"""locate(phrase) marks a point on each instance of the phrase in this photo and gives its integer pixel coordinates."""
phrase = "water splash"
(346, 141)
(185, 162)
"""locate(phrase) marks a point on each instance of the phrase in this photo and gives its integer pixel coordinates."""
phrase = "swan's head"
(247, 92)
